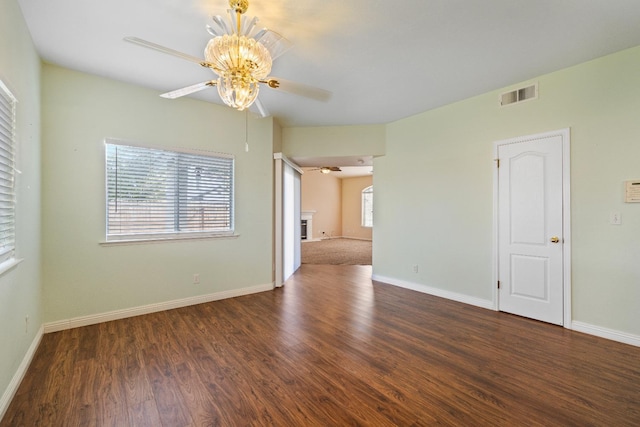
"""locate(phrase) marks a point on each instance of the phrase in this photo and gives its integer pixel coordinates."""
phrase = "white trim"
(318, 239)
(280, 156)
(586, 328)
(610, 334)
(566, 224)
(495, 273)
(9, 264)
(175, 238)
(92, 319)
(12, 388)
(454, 296)
(565, 134)
(278, 259)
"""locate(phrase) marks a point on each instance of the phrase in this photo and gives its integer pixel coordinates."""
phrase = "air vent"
(519, 95)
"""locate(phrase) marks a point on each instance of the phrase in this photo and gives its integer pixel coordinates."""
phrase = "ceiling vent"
(519, 95)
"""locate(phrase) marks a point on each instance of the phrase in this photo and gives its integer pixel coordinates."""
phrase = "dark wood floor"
(331, 348)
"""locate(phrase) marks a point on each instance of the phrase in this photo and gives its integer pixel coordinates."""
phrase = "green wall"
(333, 141)
(82, 277)
(20, 287)
(434, 188)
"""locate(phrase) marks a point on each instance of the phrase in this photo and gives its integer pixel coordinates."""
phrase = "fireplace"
(306, 225)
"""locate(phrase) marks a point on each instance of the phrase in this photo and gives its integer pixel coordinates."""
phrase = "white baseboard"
(336, 237)
(586, 328)
(12, 388)
(92, 319)
(466, 299)
(609, 334)
(356, 238)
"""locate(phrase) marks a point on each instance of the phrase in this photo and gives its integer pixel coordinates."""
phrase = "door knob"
(555, 239)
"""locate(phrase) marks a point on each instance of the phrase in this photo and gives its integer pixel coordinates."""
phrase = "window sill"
(9, 264)
(146, 240)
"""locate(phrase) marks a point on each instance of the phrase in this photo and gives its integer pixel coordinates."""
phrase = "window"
(367, 207)
(157, 194)
(7, 174)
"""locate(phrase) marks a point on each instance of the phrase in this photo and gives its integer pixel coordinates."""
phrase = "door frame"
(278, 230)
(565, 134)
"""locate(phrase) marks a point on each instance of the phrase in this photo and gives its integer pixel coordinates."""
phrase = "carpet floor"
(337, 252)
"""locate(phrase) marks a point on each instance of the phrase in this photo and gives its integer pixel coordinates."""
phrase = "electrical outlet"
(415, 268)
(196, 278)
(26, 324)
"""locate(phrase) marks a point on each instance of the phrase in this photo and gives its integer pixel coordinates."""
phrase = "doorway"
(532, 230)
(287, 229)
(332, 203)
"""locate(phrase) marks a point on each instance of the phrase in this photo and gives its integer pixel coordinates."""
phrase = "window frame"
(174, 235)
(9, 142)
(368, 191)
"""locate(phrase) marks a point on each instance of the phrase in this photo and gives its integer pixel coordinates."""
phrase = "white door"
(530, 228)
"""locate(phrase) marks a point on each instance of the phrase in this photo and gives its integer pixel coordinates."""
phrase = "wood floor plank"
(169, 402)
(331, 348)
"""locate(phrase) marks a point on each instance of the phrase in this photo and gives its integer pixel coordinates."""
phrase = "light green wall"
(433, 188)
(277, 137)
(20, 288)
(333, 141)
(82, 277)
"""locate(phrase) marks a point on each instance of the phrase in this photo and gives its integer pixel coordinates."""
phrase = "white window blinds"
(155, 193)
(7, 173)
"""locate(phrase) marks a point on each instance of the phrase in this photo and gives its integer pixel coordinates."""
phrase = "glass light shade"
(240, 63)
(237, 91)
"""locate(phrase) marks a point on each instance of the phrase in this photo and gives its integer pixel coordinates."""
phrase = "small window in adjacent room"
(155, 194)
(367, 207)
(7, 175)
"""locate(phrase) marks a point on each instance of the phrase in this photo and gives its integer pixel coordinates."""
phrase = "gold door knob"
(555, 239)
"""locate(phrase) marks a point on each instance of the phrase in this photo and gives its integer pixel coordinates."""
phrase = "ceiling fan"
(327, 169)
(241, 57)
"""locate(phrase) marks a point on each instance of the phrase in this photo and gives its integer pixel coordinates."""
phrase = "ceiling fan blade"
(261, 108)
(159, 48)
(275, 43)
(188, 90)
(298, 89)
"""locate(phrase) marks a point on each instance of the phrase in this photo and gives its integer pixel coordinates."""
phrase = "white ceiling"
(382, 59)
(334, 161)
(345, 171)
(352, 166)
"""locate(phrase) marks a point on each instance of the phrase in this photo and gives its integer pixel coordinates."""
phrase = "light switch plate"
(614, 218)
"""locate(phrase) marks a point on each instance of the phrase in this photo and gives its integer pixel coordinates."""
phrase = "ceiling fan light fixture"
(238, 92)
(240, 6)
(325, 170)
(240, 58)
(241, 63)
